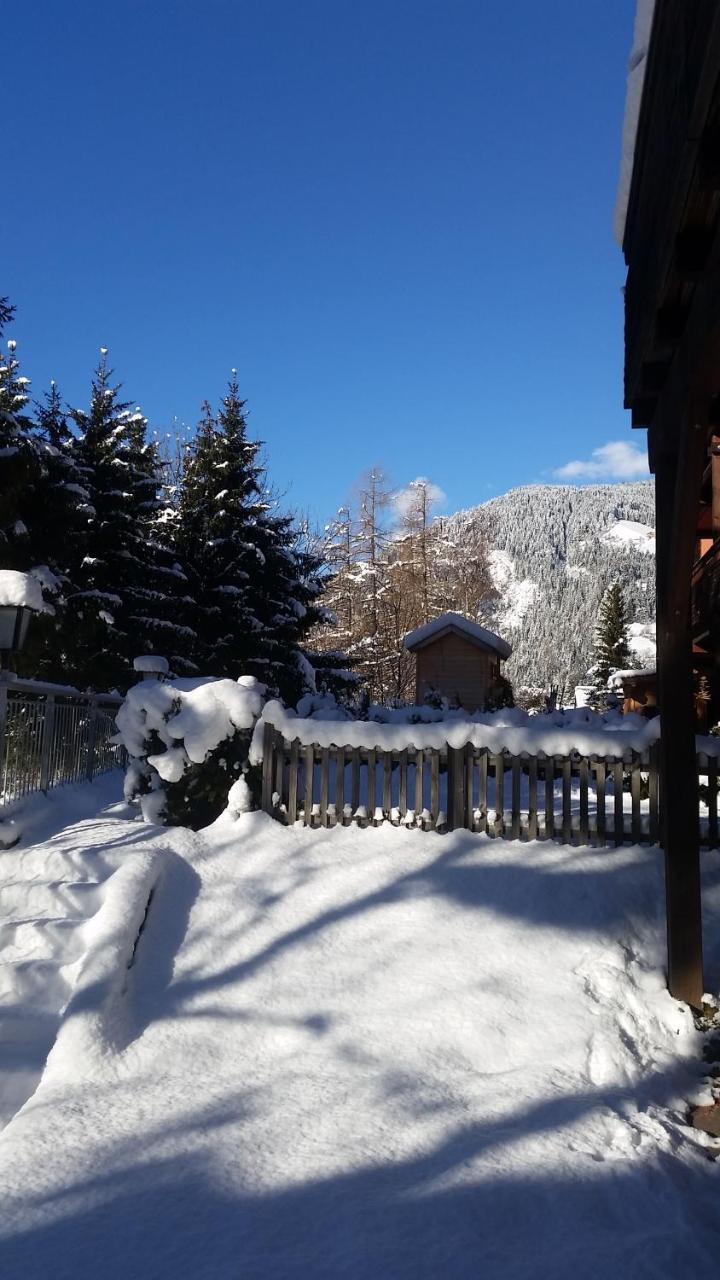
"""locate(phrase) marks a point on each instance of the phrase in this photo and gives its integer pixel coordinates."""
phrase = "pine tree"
(220, 508)
(123, 604)
(612, 650)
(59, 539)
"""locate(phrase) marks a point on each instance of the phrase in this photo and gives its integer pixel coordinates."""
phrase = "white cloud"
(618, 460)
(404, 498)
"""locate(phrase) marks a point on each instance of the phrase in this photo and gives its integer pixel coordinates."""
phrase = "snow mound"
(631, 534)
(20, 590)
(200, 713)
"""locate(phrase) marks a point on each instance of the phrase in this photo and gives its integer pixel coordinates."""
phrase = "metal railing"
(52, 734)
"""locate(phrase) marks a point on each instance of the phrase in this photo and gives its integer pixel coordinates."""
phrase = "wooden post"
(309, 762)
(267, 768)
(677, 487)
(293, 781)
(456, 788)
(600, 769)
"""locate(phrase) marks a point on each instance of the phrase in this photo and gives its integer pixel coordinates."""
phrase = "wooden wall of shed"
(457, 669)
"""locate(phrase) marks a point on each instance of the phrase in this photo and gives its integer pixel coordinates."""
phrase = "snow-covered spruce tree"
(219, 508)
(612, 650)
(121, 596)
(253, 587)
(59, 538)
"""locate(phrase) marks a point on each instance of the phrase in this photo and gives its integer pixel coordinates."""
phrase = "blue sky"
(394, 218)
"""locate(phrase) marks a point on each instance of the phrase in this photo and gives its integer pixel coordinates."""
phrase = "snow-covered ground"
(51, 885)
(376, 1053)
(640, 537)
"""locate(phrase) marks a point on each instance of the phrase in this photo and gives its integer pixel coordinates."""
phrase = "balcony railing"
(705, 594)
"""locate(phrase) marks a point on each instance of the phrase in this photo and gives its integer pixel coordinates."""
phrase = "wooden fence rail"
(574, 799)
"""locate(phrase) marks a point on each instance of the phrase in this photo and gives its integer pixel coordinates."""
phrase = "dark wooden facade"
(672, 386)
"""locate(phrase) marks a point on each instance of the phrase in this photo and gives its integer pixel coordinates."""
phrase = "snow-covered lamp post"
(151, 666)
(20, 598)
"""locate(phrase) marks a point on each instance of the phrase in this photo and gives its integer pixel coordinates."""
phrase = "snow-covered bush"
(188, 742)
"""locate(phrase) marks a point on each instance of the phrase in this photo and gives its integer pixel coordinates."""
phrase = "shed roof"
(455, 622)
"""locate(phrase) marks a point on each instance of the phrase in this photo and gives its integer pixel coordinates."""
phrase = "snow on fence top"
(20, 590)
(448, 621)
(557, 733)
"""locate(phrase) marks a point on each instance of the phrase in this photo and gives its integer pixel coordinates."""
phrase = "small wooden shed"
(456, 658)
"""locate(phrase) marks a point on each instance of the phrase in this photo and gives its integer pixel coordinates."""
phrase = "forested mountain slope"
(553, 551)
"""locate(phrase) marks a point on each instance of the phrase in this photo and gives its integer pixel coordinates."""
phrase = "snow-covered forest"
(555, 549)
(533, 565)
(138, 552)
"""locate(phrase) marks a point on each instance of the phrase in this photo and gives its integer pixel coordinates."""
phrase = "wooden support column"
(715, 478)
(677, 487)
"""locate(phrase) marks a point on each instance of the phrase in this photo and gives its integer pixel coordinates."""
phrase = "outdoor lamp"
(20, 597)
(14, 619)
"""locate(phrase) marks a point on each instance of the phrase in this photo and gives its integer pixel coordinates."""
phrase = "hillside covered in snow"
(554, 550)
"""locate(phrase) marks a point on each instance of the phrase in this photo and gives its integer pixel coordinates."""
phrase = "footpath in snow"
(365, 1054)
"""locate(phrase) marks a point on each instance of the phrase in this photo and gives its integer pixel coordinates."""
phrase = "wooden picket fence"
(573, 799)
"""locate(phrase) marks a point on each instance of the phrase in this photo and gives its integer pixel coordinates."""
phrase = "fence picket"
(549, 797)
(355, 783)
(469, 783)
(515, 814)
(584, 807)
(618, 802)
(293, 781)
(567, 800)
(600, 778)
(532, 828)
(499, 767)
(324, 785)
(483, 790)
(403, 785)
(387, 784)
(371, 786)
(419, 772)
(635, 821)
(434, 788)
(339, 786)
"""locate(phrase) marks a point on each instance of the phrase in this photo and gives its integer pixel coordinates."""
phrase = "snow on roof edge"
(473, 630)
(644, 14)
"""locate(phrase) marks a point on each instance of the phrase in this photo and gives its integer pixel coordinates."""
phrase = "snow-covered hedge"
(556, 733)
(188, 742)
